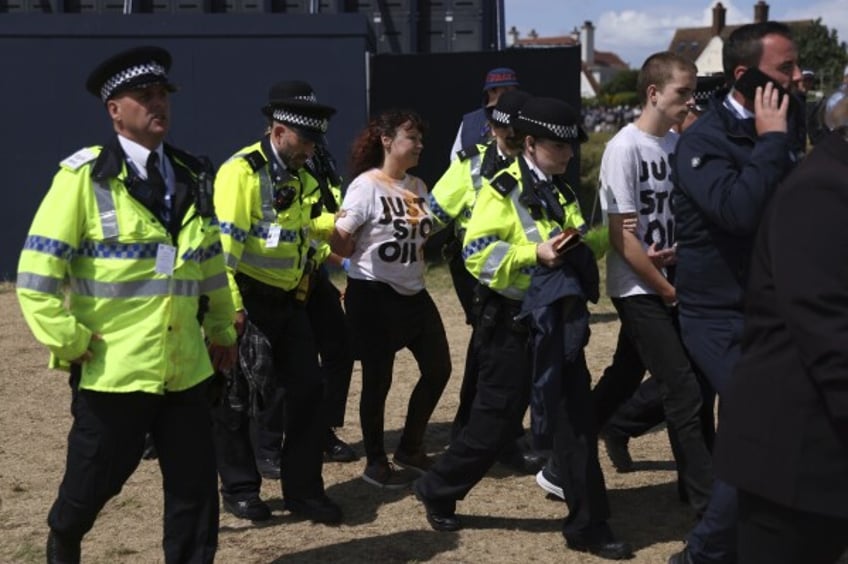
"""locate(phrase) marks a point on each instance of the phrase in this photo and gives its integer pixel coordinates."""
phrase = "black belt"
(253, 288)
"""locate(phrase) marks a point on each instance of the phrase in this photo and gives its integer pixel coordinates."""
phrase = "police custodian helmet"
(294, 103)
(550, 118)
(129, 70)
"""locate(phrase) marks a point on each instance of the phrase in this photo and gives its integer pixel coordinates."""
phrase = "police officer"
(130, 227)
(452, 200)
(474, 127)
(517, 223)
(264, 202)
(325, 312)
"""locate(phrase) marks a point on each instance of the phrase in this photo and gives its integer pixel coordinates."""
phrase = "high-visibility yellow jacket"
(453, 196)
(92, 239)
(267, 244)
(500, 242)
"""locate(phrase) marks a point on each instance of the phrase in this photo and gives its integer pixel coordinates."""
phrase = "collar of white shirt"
(137, 154)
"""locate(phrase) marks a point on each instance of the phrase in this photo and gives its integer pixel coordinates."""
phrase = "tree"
(623, 81)
(820, 50)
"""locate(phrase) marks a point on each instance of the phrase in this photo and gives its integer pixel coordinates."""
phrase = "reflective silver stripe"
(527, 223)
(512, 293)
(215, 283)
(476, 179)
(493, 261)
(106, 206)
(260, 261)
(230, 260)
(266, 193)
(39, 283)
(135, 289)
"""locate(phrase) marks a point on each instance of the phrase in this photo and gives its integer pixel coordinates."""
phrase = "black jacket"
(783, 433)
(724, 175)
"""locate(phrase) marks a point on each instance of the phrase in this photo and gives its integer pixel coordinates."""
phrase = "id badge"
(166, 257)
(273, 239)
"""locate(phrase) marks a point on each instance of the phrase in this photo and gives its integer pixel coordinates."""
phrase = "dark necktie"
(157, 182)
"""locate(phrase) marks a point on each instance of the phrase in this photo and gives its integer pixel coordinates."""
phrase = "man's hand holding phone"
(771, 101)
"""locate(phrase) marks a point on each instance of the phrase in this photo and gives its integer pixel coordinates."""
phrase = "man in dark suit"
(788, 456)
(726, 168)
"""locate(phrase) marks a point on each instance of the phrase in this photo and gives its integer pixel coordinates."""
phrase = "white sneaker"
(547, 484)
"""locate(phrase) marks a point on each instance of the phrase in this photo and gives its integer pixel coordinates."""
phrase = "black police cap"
(294, 103)
(506, 109)
(706, 88)
(550, 118)
(128, 70)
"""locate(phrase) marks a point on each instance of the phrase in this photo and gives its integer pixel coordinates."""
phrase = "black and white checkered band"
(285, 116)
(500, 117)
(151, 68)
(561, 131)
(309, 98)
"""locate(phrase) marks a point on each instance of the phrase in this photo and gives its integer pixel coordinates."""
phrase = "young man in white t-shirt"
(635, 187)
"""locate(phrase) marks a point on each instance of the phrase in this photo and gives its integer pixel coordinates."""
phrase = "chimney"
(719, 14)
(587, 43)
(533, 34)
(513, 36)
(761, 10)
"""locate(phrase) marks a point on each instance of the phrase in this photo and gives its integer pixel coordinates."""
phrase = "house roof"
(602, 58)
(690, 42)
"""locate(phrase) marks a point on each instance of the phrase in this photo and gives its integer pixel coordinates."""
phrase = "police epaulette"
(255, 159)
(81, 157)
(468, 152)
(504, 183)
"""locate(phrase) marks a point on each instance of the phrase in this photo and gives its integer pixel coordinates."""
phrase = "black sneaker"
(319, 509)
(383, 475)
(418, 462)
(336, 450)
(249, 507)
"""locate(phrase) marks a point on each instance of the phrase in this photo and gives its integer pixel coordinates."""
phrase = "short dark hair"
(745, 45)
(658, 69)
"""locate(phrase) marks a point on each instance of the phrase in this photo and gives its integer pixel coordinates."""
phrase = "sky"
(634, 29)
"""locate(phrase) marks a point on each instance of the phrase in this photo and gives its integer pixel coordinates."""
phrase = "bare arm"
(630, 249)
(342, 243)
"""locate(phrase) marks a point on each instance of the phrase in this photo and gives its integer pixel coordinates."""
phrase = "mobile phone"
(752, 78)
(571, 239)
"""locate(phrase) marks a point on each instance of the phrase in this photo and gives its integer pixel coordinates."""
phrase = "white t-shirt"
(391, 221)
(636, 177)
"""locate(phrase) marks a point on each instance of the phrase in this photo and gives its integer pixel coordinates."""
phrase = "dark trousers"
(382, 322)
(576, 452)
(463, 284)
(714, 347)
(644, 411)
(769, 532)
(104, 448)
(503, 388)
(332, 337)
(284, 322)
(652, 331)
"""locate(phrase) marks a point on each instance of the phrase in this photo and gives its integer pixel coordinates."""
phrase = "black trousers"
(576, 453)
(383, 322)
(332, 337)
(652, 331)
(463, 284)
(503, 389)
(284, 322)
(773, 533)
(104, 448)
